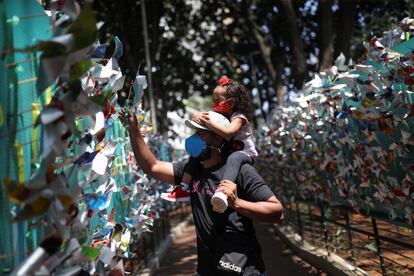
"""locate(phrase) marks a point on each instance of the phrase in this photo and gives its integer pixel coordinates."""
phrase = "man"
(249, 199)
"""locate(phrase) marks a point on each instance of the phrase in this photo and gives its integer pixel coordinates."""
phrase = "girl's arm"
(196, 117)
(225, 132)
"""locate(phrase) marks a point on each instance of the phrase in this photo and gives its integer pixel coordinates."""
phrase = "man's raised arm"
(160, 170)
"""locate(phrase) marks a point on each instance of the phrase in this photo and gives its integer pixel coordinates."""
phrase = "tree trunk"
(128, 38)
(266, 53)
(155, 10)
(265, 50)
(253, 69)
(293, 37)
(325, 20)
(280, 93)
(346, 18)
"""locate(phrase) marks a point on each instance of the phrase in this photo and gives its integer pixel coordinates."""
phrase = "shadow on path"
(181, 258)
(279, 259)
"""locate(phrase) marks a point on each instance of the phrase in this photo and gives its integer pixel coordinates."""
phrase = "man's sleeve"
(178, 168)
(251, 186)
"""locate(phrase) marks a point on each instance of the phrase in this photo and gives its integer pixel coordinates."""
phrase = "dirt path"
(182, 256)
(280, 260)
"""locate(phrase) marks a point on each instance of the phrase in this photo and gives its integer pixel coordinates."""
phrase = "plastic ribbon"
(124, 159)
(20, 162)
(48, 94)
(1, 115)
(35, 114)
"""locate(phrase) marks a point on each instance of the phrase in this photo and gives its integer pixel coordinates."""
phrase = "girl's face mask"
(223, 107)
(194, 145)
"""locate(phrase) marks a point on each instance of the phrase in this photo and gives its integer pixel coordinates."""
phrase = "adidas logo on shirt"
(230, 266)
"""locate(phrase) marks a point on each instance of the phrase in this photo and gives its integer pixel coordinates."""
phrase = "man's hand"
(229, 188)
(269, 211)
(130, 122)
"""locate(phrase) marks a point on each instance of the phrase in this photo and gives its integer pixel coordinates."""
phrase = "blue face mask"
(194, 145)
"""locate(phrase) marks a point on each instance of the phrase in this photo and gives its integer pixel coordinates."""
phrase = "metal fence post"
(299, 221)
(311, 219)
(145, 250)
(325, 228)
(182, 211)
(164, 226)
(156, 234)
(348, 230)
(378, 243)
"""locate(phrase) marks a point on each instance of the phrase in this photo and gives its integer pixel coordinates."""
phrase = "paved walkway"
(182, 257)
(279, 260)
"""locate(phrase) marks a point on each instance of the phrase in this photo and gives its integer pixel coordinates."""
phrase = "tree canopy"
(272, 47)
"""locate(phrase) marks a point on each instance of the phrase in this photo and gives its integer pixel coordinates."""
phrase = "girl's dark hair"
(241, 95)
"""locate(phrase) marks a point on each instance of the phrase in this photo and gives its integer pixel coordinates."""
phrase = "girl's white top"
(245, 134)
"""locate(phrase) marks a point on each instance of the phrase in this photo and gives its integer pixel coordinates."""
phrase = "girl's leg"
(233, 164)
(181, 192)
(185, 183)
(190, 169)
(231, 170)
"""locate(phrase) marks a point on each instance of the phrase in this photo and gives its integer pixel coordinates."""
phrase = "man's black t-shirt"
(250, 187)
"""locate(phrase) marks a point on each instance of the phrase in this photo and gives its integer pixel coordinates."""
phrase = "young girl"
(231, 99)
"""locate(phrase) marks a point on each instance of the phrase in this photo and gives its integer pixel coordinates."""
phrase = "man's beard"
(205, 154)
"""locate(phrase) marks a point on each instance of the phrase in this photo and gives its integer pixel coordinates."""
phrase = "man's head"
(212, 140)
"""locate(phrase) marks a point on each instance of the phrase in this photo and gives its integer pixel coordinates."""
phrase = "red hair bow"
(224, 80)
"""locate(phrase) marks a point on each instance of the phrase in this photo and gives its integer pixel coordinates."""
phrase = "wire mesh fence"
(372, 244)
(146, 246)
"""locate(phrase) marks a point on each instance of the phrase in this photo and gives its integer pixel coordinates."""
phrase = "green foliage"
(199, 103)
(82, 28)
(193, 43)
(51, 49)
(78, 69)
